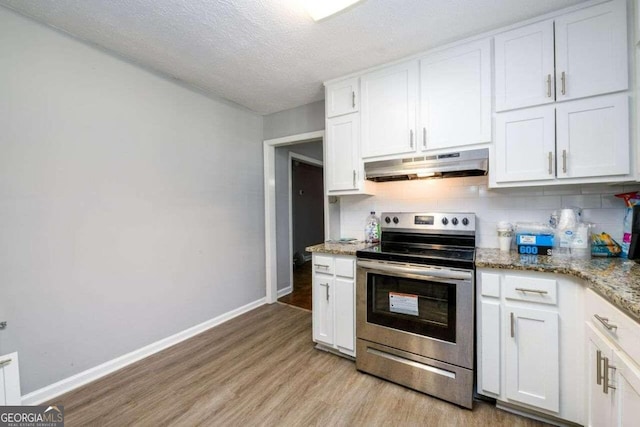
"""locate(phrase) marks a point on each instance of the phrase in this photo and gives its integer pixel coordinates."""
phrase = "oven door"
(424, 310)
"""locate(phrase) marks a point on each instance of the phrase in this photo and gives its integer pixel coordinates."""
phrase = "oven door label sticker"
(403, 303)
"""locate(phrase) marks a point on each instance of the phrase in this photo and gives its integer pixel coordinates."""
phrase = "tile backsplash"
(490, 205)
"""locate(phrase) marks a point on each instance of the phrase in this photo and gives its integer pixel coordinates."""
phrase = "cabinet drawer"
(530, 289)
(344, 267)
(323, 264)
(613, 323)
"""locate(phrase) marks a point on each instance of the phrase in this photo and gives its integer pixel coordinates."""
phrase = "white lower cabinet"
(530, 342)
(532, 363)
(613, 373)
(334, 302)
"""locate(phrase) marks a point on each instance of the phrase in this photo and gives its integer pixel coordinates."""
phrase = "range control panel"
(429, 221)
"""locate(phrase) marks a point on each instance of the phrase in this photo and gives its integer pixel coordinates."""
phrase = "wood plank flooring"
(301, 294)
(260, 369)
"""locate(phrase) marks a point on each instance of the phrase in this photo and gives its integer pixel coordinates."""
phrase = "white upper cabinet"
(342, 97)
(591, 51)
(525, 145)
(455, 96)
(524, 67)
(591, 58)
(593, 137)
(388, 110)
(343, 165)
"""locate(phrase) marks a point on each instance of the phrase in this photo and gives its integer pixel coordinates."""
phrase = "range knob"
(387, 219)
(445, 221)
(454, 221)
(395, 220)
(465, 221)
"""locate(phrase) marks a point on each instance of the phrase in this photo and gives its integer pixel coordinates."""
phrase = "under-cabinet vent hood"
(449, 165)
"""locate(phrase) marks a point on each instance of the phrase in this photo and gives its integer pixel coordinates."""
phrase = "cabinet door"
(388, 110)
(525, 145)
(455, 96)
(345, 314)
(593, 137)
(626, 407)
(532, 357)
(591, 51)
(9, 380)
(323, 308)
(599, 404)
(524, 67)
(342, 97)
(342, 163)
(489, 348)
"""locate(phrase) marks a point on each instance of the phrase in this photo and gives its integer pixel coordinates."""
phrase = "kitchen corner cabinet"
(579, 54)
(529, 354)
(613, 373)
(342, 97)
(552, 143)
(455, 84)
(333, 294)
(388, 110)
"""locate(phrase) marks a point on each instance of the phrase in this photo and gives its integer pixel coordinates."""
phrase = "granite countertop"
(337, 248)
(615, 279)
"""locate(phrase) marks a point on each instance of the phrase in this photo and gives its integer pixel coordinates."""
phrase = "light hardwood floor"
(260, 369)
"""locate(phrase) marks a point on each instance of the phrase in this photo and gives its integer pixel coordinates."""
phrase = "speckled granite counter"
(339, 248)
(616, 279)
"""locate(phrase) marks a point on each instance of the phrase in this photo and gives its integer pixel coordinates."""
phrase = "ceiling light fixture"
(319, 9)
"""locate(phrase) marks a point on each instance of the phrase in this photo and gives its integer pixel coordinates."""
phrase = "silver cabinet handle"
(563, 78)
(4, 362)
(598, 367)
(605, 322)
(424, 137)
(513, 325)
(354, 178)
(411, 138)
(550, 163)
(548, 85)
(605, 379)
(353, 99)
(535, 291)
(326, 288)
(564, 161)
(321, 265)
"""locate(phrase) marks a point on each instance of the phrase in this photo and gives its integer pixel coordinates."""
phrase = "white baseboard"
(285, 291)
(63, 386)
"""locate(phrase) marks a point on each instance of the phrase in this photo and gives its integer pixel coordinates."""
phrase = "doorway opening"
(306, 220)
(279, 235)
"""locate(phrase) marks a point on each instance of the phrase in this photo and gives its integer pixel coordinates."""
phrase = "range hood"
(449, 165)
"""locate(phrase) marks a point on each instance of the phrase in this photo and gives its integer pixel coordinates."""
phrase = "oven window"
(419, 306)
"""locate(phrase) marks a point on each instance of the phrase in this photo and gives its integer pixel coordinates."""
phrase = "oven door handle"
(418, 271)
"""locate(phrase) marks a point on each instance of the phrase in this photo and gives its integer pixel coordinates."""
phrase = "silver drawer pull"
(598, 367)
(534, 291)
(321, 265)
(605, 379)
(605, 322)
(326, 288)
(4, 362)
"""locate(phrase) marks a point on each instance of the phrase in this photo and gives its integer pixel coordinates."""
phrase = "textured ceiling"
(268, 55)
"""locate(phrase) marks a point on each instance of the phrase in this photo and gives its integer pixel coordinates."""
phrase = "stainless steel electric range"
(415, 308)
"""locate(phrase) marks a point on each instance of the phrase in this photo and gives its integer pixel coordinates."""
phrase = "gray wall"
(131, 208)
(309, 149)
(306, 118)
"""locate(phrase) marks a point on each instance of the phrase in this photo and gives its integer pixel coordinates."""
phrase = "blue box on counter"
(535, 244)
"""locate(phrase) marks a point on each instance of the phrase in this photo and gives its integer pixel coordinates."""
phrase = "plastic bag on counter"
(630, 200)
(602, 245)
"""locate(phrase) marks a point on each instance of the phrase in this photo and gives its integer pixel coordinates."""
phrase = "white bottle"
(372, 229)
